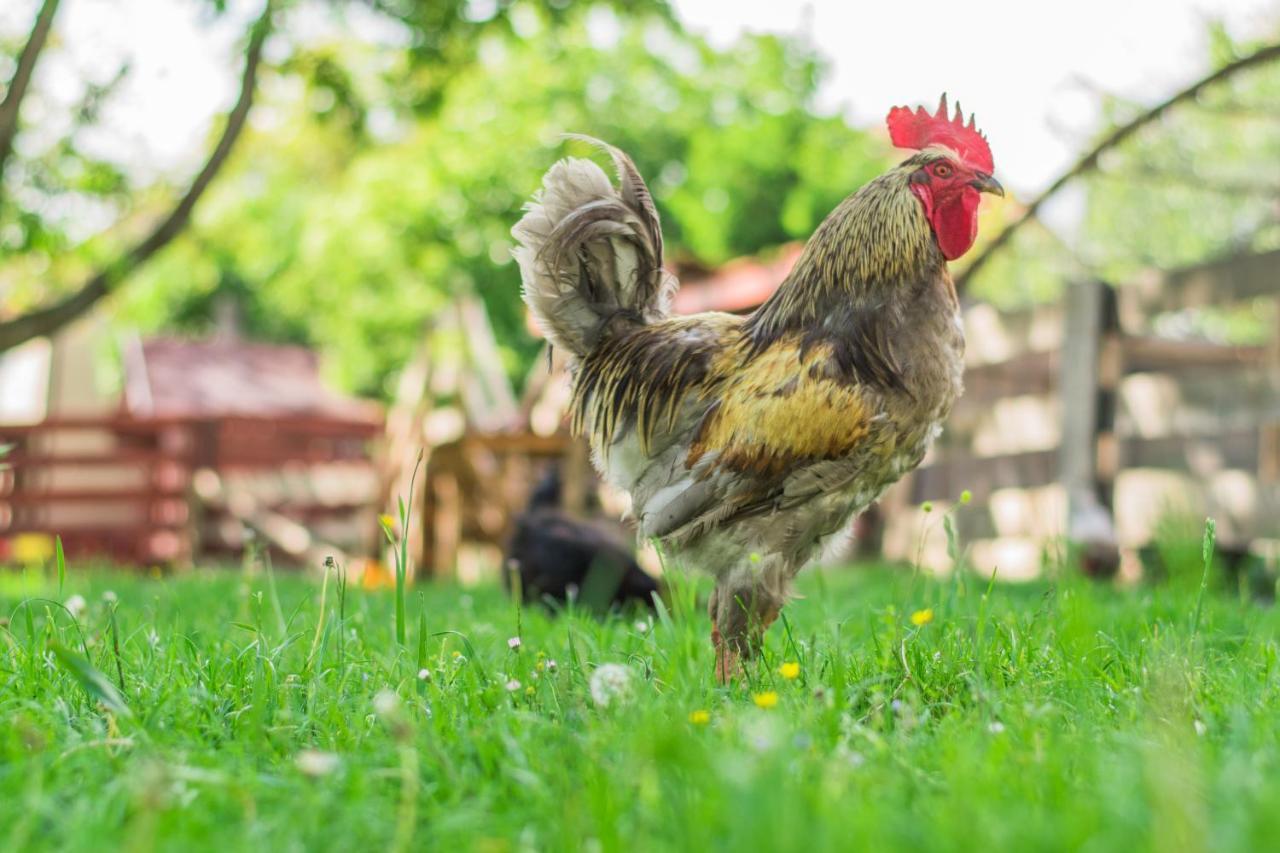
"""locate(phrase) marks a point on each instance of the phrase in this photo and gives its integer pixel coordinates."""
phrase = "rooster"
(747, 443)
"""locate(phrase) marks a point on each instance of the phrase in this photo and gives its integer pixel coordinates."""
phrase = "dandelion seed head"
(610, 684)
(316, 762)
(386, 703)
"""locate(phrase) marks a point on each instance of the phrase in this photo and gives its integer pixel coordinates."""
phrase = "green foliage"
(351, 218)
(1001, 717)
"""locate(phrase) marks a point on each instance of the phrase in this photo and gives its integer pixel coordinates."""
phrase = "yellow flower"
(922, 617)
(789, 670)
(765, 700)
(699, 717)
(387, 521)
(528, 691)
(966, 496)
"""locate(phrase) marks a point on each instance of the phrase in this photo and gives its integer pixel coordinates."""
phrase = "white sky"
(1030, 70)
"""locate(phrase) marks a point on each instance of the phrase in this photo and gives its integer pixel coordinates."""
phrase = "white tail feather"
(590, 253)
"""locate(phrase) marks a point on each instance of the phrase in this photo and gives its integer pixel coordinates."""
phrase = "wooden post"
(1091, 371)
(1269, 433)
(447, 524)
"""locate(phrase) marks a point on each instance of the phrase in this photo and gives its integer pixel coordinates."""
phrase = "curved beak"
(984, 183)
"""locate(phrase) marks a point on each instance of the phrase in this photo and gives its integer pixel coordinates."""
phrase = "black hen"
(557, 556)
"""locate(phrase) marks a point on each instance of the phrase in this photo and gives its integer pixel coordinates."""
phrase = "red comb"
(918, 129)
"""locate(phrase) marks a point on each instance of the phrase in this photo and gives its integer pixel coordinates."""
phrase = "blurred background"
(254, 259)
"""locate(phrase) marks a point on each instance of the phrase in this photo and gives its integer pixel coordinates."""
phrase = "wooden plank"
(123, 532)
(946, 479)
(1148, 353)
(34, 497)
(1201, 455)
(118, 458)
(1028, 373)
(526, 443)
(1197, 402)
(1220, 282)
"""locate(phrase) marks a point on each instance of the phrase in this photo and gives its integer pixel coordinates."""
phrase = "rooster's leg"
(739, 617)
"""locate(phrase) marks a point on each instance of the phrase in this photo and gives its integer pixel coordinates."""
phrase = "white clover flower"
(109, 597)
(512, 686)
(76, 605)
(610, 684)
(424, 674)
(513, 643)
(316, 763)
(551, 665)
(996, 728)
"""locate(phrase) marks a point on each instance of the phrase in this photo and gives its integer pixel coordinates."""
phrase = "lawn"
(1058, 715)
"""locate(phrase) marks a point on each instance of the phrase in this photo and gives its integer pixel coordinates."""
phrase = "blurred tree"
(1204, 181)
(39, 250)
(372, 196)
(36, 246)
(1167, 185)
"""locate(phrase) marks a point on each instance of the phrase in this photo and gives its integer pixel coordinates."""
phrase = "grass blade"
(91, 679)
(62, 565)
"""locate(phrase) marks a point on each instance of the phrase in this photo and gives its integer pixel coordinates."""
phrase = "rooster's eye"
(942, 170)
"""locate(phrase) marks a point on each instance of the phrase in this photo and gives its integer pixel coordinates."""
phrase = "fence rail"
(1080, 422)
(122, 488)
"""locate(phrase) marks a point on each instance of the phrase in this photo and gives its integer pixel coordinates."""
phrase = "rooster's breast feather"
(783, 408)
(761, 431)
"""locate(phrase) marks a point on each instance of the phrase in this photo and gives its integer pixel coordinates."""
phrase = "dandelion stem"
(1206, 554)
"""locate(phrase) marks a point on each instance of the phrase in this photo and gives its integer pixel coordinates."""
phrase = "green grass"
(1039, 717)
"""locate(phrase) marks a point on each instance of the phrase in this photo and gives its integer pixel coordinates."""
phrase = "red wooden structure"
(253, 420)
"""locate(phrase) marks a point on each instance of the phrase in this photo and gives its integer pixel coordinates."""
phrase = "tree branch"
(45, 321)
(1089, 161)
(1165, 178)
(22, 78)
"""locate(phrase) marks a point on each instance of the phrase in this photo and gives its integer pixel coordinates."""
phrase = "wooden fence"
(146, 491)
(1086, 421)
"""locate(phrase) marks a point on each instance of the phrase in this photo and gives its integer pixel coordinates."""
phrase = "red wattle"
(955, 223)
